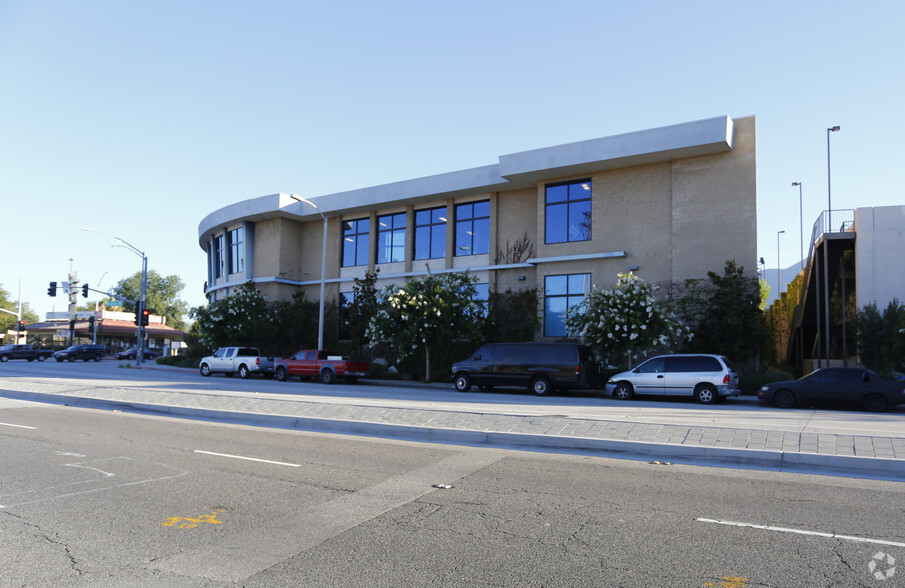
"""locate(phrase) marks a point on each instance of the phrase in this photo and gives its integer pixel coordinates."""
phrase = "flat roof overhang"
(512, 172)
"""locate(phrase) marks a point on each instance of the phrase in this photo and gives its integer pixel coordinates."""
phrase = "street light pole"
(826, 246)
(800, 224)
(97, 324)
(142, 301)
(829, 198)
(320, 312)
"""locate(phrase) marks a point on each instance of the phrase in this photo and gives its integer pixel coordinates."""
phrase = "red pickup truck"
(327, 365)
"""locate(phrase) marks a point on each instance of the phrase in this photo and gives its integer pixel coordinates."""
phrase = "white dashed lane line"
(17, 426)
(282, 463)
(803, 532)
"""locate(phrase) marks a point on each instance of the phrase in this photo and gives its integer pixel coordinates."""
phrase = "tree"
(7, 320)
(427, 313)
(162, 297)
(511, 316)
(362, 308)
(881, 339)
(241, 319)
(293, 326)
(625, 322)
(732, 323)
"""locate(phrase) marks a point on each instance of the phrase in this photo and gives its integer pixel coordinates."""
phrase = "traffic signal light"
(20, 326)
(90, 325)
(84, 290)
(52, 289)
(145, 317)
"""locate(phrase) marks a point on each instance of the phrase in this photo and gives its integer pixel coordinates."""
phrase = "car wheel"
(243, 371)
(462, 382)
(205, 370)
(875, 403)
(281, 374)
(41, 358)
(98, 357)
(706, 394)
(784, 399)
(623, 391)
(4, 358)
(540, 386)
(328, 377)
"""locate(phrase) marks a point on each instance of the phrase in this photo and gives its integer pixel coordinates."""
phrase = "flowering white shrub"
(425, 313)
(239, 319)
(626, 321)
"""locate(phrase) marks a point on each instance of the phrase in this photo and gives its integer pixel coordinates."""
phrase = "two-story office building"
(668, 203)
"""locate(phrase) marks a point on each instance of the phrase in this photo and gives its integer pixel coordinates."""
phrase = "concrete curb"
(837, 465)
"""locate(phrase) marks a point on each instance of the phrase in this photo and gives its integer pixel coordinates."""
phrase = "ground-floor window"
(562, 292)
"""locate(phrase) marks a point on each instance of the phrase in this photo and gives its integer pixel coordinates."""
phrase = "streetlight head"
(796, 183)
(779, 232)
(836, 128)
(84, 229)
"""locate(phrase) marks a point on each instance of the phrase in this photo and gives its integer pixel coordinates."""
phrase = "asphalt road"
(113, 499)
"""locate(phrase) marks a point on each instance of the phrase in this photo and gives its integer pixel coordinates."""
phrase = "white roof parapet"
(514, 171)
(703, 137)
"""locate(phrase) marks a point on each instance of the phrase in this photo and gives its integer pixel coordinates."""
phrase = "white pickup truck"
(237, 360)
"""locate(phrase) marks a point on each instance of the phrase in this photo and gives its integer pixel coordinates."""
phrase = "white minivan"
(706, 377)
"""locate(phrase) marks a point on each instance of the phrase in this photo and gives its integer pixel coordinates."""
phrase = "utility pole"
(73, 303)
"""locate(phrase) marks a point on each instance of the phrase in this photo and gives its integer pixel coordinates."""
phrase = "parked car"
(706, 377)
(836, 385)
(327, 365)
(83, 352)
(8, 352)
(541, 367)
(132, 353)
(229, 361)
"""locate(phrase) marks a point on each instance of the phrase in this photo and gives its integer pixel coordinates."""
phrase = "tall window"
(236, 238)
(568, 211)
(482, 297)
(391, 238)
(561, 293)
(217, 257)
(430, 233)
(355, 242)
(472, 228)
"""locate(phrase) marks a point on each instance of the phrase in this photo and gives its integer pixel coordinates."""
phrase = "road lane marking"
(282, 463)
(191, 523)
(131, 472)
(78, 465)
(17, 426)
(803, 532)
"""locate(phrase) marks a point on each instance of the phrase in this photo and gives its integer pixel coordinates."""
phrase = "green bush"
(177, 361)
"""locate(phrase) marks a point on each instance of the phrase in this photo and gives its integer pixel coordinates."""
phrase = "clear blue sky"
(140, 118)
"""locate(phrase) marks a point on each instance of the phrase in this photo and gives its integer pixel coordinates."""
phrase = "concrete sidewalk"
(833, 454)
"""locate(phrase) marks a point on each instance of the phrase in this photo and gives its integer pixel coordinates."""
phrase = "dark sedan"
(839, 385)
(132, 353)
